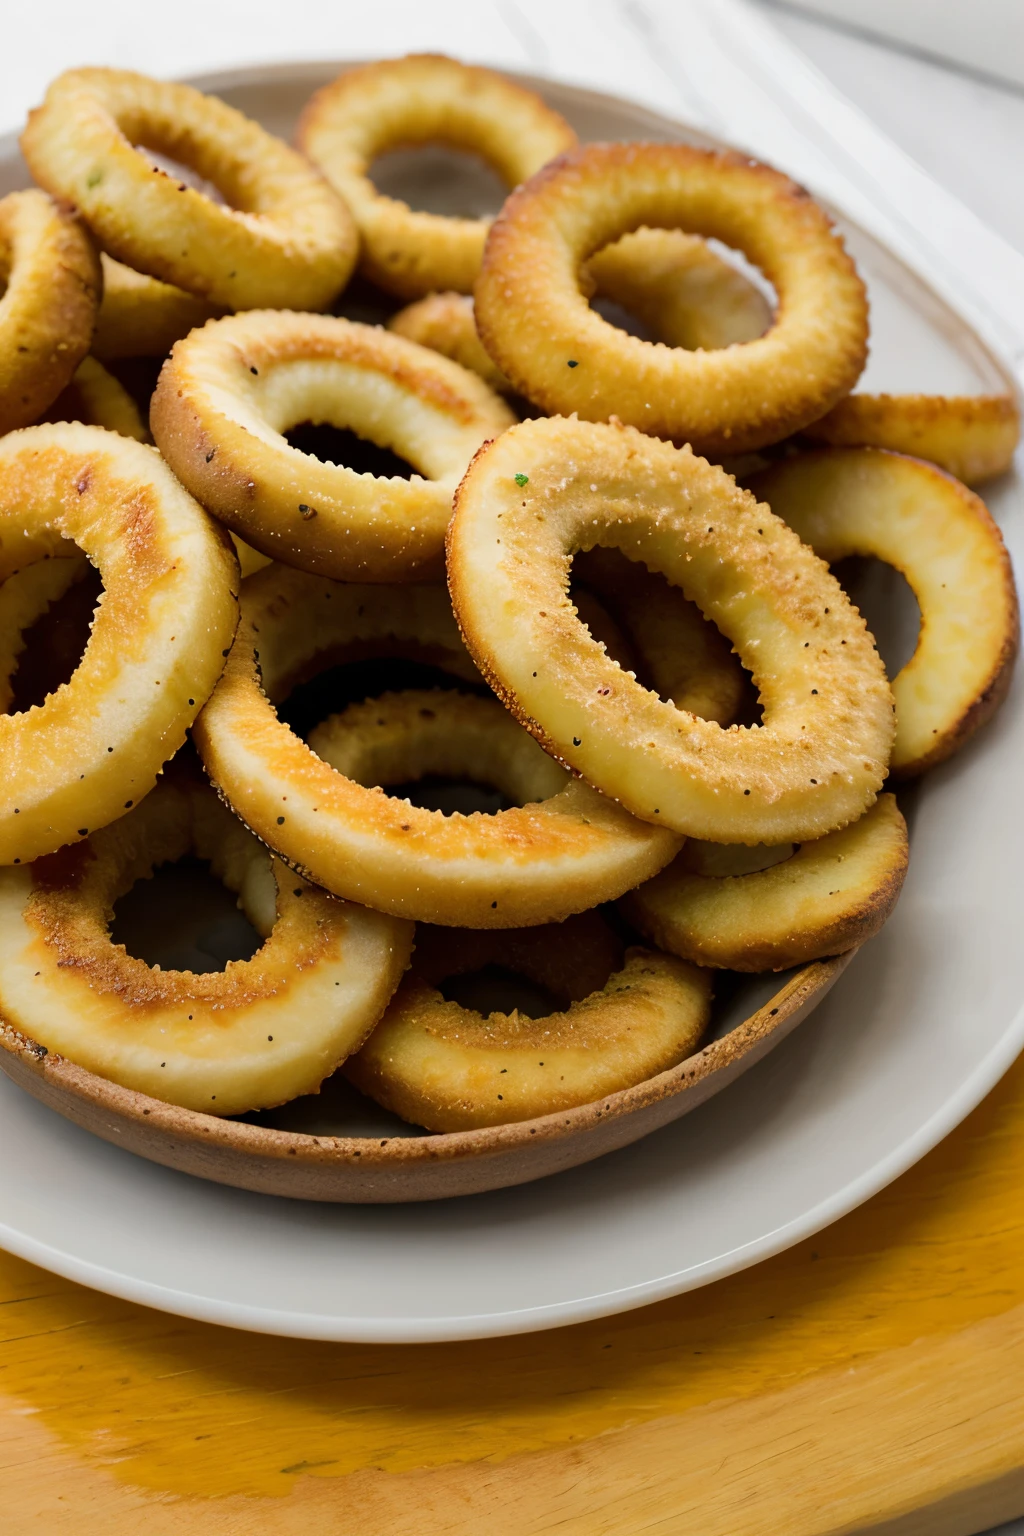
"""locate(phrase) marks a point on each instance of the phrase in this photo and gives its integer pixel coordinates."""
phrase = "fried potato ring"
(868, 501)
(561, 848)
(229, 391)
(444, 323)
(673, 283)
(538, 327)
(259, 1032)
(831, 895)
(971, 436)
(161, 632)
(549, 488)
(423, 99)
(622, 1020)
(681, 655)
(96, 398)
(281, 237)
(495, 871)
(51, 282)
(142, 317)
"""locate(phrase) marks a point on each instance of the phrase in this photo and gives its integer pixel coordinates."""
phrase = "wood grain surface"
(870, 1378)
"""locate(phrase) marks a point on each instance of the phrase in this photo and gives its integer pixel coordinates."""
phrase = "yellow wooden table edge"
(872, 1377)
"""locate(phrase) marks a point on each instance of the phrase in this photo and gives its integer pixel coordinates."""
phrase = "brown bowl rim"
(239, 1136)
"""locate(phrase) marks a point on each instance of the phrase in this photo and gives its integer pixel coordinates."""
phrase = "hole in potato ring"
(970, 436)
(96, 398)
(24, 598)
(249, 560)
(679, 654)
(450, 1068)
(672, 283)
(560, 848)
(941, 537)
(510, 869)
(829, 896)
(162, 628)
(257, 1033)
(547, 489)
(282, 236)
(51, 282)
(423, 99)
(538, 327)
(142, 317)
(229, 392)
(680, 290)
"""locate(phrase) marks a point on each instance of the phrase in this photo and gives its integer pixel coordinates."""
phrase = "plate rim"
(338, 1328)
(352, 1329)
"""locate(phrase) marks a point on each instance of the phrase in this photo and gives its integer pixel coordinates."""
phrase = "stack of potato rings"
(494, 639)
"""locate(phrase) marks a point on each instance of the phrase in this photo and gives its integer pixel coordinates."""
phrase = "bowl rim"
(806, 985)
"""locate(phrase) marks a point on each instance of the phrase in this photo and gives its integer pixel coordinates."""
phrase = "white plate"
(919, 1029)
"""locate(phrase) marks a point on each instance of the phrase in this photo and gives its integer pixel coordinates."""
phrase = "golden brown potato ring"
(622, 1019)
(50, 283)
(257, 1033)
(538, 327)
(867, 501)
(142, 317)
(422, 99)
(514, 868)
(673, 283)
(229, 391)
(96, 398)
(549, 488)
(158, 642)
(971, 436)
(444, 323)
(831, 895)
(281, 237)
(561, 848)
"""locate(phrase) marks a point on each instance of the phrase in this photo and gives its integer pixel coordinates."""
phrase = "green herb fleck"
(522, 479)
(94, 178)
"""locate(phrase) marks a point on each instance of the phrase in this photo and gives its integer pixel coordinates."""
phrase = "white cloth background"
(918, 133)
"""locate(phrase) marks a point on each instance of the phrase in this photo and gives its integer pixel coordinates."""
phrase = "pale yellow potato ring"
(497, 871)
(142, 317)
(422, 99)
(96, 398)
(623, 1019)
(821, 754)
(973, 437)
(163, 627)
(940, 535)
(537, 325)
(260, 1032)
(50, 284)
(830, 896)
(673, 283)
(563, 848)
(229, 391)
(281, 237)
